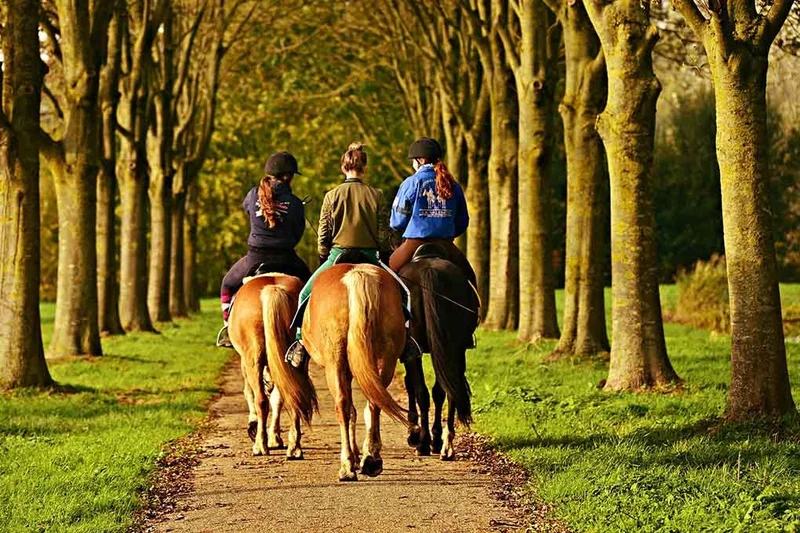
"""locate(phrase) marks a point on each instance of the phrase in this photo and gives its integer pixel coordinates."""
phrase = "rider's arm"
(325, 233)
(461, 215)
(403, 206)
(298, 219)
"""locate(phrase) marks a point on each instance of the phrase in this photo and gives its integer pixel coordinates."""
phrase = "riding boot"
(223, 340)
(412, 350)
(296, 354)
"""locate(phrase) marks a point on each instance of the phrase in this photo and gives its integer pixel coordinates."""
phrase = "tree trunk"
(22, 362)
(479, 230)
(190, 254)
(503, 305)
(583, 332)
(133, 242)
(160, 247)
(177, 299)
(536, 80)
(627, 127)
(759, 376)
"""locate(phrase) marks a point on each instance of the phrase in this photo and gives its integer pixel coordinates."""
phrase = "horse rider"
(277, 223)
(354, 216)
(430, 208)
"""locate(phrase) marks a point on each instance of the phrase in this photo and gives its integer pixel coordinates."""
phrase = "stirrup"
(223, 341)
(411, 351)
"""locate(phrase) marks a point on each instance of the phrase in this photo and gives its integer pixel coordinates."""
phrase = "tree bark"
(759, 375)
(627, 127)
(177, 299)
(22, 362)
(479, 230)
(160, 248)
(503, 305)
(190, 255)
(583, 332)
(536, 79)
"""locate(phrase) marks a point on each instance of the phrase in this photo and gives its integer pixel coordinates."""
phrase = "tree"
(737, 40)
(22, 362)
(532, 57)
(78, 45)
(584, 328)
(627, 128)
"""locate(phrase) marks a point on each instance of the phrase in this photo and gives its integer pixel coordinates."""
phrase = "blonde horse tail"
(363, 294)
(294, 385)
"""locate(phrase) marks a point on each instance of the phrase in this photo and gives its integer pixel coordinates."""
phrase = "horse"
(259, 331)
(354, 328)
(445, 311)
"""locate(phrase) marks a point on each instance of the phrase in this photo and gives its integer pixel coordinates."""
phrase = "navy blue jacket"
(291, 224)
(420, 213)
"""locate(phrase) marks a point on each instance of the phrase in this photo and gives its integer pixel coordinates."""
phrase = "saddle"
(262, 269)
(352, 257)
(430, 250)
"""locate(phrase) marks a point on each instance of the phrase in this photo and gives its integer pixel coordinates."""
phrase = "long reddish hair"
(266, 199)
(445, 182)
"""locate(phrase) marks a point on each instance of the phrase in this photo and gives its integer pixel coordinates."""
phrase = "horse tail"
(449, 359)
(364, 295)
(294, 385)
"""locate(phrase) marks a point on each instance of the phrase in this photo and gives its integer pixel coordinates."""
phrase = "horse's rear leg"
(294, 451)
(274, 439)
(438, 403)
(353, 425)
(254, 378)
(418, 434)
(339, 383)
(372, 463)
(448, 451)
(252, 418)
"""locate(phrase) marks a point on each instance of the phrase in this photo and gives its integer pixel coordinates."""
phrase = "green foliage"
(638, 462)
(703, 296)
(76, 458)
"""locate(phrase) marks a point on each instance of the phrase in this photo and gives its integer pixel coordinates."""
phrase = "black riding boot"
(412, 350)
(296, 354)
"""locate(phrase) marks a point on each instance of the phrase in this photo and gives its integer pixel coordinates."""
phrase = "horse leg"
(341, 389)
(353, 425)
(424, 401)
(448, 451)
(252, 419)
(438, 403)
(414, 431)
(262, 407)
(372, 464)
(294, 451)
(274, 439)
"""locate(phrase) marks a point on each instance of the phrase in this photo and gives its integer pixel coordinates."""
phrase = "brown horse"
(259, 330)
(354, 328)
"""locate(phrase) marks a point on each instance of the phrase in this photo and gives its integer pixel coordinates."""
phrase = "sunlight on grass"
(638, 462)
(77, 458)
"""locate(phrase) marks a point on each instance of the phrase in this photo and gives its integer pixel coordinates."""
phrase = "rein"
(439, 295)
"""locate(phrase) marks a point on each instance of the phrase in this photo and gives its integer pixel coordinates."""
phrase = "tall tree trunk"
(759, 376)
(583, 332)
(503, 305)
(177, 300)
(22, 362)
(160, 247)
(627, 127)
(107, 280)
(536, 80)
(479, 230)
(190, 254)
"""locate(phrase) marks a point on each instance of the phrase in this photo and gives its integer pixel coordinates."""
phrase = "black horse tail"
(448, 357)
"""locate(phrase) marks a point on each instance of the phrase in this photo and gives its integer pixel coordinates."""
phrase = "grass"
(639, 462)
(78, 457)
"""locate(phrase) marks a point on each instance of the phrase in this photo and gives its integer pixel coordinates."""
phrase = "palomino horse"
(444, 307)
(354, 328)
(259, 330)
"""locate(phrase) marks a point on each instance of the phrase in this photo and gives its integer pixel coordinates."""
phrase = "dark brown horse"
(259, 330)
(445, 311)
(354, 328)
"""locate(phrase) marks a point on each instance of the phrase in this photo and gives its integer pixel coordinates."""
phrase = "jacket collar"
(353, 180)
(281, 187)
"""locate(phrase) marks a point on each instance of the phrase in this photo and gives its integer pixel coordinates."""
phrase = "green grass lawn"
(639, 462)
(77, 458)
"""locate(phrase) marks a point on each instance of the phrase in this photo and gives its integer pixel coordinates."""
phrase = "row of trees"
(119, 99)
(488, 73)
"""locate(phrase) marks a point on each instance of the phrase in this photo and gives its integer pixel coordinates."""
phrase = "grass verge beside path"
(638, 462)
(77, 458)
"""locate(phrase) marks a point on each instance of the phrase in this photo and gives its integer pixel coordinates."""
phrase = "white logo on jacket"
(437, 206)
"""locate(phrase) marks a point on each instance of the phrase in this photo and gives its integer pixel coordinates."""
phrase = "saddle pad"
(251, 278)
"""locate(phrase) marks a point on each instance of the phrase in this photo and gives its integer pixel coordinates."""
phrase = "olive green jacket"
(354, 215)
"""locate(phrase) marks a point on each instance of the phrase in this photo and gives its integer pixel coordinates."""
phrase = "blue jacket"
(420, 213)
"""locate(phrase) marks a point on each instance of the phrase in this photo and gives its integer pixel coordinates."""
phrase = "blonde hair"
(355, 159)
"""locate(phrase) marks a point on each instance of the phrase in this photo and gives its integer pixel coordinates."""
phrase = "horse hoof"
(259, 451)
(294, 455)
(448, 454)
(423, 451)
(277, 444)
(414, 436)
(371, 467)
(252, 427)
(436, 446)
(345, 474)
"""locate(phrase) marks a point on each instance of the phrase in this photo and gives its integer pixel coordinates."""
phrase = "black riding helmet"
(281, 163)
(426, 148)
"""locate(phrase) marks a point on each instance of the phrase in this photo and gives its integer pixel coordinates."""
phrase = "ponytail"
(444, 180)
(266, 201)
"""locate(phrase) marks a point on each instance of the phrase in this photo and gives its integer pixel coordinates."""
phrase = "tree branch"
(772, 23)
(691, 13)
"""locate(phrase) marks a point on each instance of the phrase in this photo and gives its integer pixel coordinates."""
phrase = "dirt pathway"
(234, 491)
